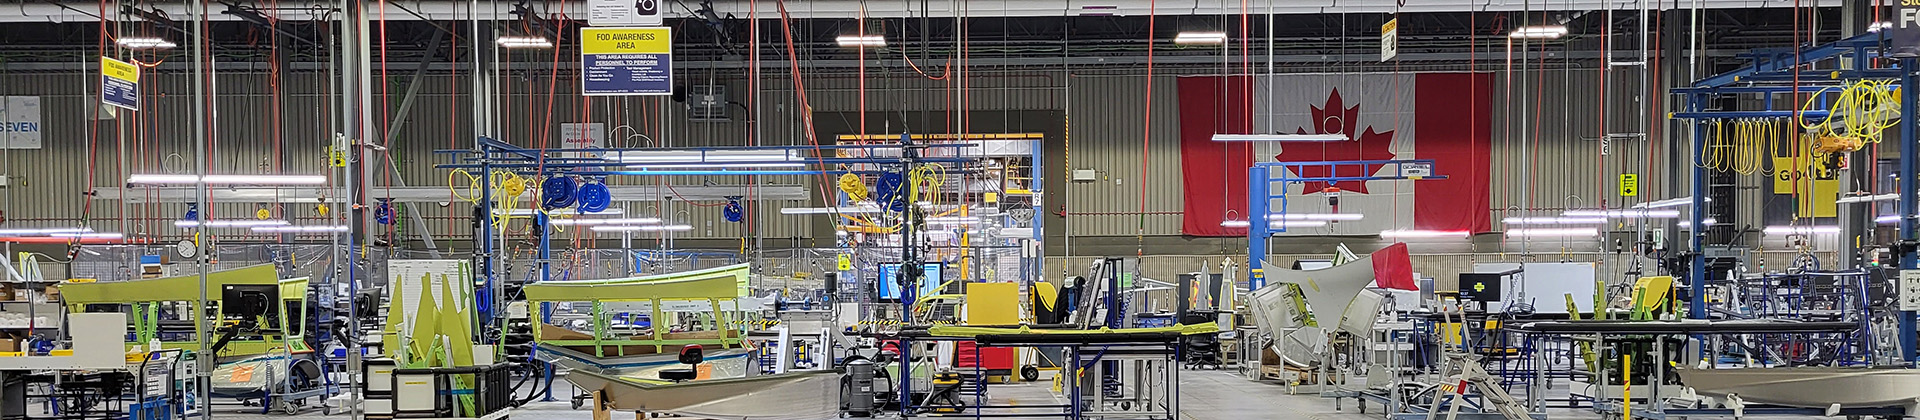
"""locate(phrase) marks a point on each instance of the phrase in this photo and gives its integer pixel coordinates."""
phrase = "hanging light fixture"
(1554, 220)
(1404, 234)
(144, 43)
(1800, 230)
(1280, 137)
(647, 228)
(157, 179)
(1201, 38)
(523, 42)
(1547, 233)
(238, 223)
(1539, 32)
(861, 41)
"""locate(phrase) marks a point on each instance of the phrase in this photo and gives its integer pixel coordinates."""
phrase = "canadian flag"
(1439, 116)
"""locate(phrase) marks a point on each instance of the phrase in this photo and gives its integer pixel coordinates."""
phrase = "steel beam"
(1908, 205)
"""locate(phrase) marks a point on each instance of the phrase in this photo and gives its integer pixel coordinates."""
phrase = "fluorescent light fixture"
(512, 41)
(962, 220)
(1280, 137)
(1553, 232)
(855, 209)
(556, 212)
(1877, 26)
(1689, 223)
(646, 228)
(1554, 220)
(302, 229)
(42, 231)
(712, 158)
(1317, 216)
(1201, 38)
(1887, 219)
(1618, 214)
(1867, 198)
(851, 41)
(722, 165)
(1671, 202)
(1403, 234)
(1539, 32)
(88, 235)
(1801, 230)
(227, 179)
(162, 179)
(145, 43)
(266, 179)
(604, 222)
(1277, 224)
(239, 223)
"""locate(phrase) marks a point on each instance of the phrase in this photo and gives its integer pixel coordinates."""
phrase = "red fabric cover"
(1393, 268)
(1453, 118)
(1214, 174)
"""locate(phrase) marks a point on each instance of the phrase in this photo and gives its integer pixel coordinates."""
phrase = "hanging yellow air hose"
(1863, 110)
(507, 188)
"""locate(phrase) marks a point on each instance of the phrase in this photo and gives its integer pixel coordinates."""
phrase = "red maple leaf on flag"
(1333, 119)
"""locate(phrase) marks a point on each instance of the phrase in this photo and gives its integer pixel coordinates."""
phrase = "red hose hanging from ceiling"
(1146, 135)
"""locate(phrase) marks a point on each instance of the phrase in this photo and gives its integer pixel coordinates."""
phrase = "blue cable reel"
(732, 211)
(557, 192)
(384, 212)
(887, 192)
(594, 197)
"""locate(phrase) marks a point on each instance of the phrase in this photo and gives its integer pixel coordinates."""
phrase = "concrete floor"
(1205, 395)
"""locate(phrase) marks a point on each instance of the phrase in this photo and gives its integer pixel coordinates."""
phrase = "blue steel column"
(1697, 270)
(1908, 158)
(1257, 228)
(485, 238)
(911, 268)
(546, 311)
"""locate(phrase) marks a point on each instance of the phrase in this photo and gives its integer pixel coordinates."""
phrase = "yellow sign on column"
(1629, 185)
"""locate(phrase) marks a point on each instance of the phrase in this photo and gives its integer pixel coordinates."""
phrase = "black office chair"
(1202, 351)
(690, 356)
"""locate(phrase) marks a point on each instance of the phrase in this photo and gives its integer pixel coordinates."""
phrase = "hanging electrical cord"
(1742, 146)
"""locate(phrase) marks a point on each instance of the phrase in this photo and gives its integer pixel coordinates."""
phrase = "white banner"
(21, 127)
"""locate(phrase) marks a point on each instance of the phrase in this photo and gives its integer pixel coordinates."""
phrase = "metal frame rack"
(489, 156)
(1859, 57)
(1261, 194)
(1805, 297)
(1605, 334)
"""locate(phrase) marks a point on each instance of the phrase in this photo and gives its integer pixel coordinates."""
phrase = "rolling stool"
(690, 356)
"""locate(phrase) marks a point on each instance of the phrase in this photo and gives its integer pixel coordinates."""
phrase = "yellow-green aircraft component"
(713, 286)
(146, 297)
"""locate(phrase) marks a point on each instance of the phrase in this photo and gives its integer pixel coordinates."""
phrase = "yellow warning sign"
(1629, 185)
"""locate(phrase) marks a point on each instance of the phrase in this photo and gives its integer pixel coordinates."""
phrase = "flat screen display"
(930, 280)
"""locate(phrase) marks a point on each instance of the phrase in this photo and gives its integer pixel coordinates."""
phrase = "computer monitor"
(930, 280)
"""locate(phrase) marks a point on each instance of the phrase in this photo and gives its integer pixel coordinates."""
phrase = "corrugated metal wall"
(1546, 149)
